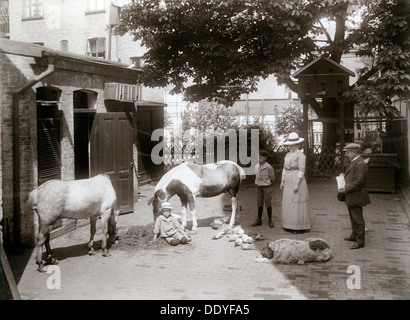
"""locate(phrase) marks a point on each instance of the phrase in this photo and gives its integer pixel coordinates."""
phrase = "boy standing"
(265, 176)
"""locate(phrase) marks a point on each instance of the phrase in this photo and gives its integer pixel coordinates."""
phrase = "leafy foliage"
(290, 120)
(208, 115)
(384, 39)
(218, 50)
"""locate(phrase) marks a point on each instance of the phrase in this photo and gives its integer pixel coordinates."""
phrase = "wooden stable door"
(111, 153)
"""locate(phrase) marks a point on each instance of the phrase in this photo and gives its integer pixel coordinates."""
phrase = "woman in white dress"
(295, 201)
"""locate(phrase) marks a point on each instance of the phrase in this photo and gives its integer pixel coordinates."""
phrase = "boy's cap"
(166, 205)
(263, 153)
(352, 146)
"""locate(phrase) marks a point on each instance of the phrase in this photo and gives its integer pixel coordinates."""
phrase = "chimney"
(64, 45)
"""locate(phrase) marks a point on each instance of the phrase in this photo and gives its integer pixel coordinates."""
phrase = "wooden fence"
(323, 163)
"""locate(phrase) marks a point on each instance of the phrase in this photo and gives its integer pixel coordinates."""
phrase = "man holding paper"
(356, 196)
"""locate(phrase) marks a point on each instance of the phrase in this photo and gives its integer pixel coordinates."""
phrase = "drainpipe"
(16, 147)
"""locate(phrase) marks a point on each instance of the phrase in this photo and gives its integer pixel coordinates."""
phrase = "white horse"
(77, 199)
(189, 180)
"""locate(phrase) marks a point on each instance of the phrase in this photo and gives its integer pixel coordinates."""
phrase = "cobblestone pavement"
(207, 269)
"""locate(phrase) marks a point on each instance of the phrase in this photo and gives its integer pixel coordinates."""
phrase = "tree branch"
(322, 27)
(365, 77)
(337, 50)
(291, 84)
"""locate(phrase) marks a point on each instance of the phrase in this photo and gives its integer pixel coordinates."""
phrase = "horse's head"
(112, 224)
(156, 201)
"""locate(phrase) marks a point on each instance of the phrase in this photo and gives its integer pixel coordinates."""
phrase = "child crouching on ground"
(168, 227)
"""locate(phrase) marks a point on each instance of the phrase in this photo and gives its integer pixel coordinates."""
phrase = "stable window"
(33, 9)
(96, 47)
(4, 20)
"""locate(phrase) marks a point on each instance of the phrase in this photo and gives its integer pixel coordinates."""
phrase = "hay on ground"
(139, 237)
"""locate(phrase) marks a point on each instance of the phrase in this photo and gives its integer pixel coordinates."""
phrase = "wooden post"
(305, 103)
(342, 135)
(9, 290)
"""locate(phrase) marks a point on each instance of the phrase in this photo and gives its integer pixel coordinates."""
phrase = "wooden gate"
(111, 153)
(148, 120)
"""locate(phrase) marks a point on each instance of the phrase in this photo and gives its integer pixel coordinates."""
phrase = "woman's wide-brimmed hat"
(293, 138)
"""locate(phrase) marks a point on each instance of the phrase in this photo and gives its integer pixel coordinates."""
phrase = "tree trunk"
(329, 110)
(327, 163)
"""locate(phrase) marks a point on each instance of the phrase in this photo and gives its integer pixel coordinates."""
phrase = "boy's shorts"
(175, 236)
(264, 195)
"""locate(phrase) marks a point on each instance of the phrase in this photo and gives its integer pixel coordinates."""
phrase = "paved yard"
(216, 269)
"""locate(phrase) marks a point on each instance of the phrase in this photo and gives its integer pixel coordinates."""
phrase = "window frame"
(28, 10)
(97, 53)
(97, 9)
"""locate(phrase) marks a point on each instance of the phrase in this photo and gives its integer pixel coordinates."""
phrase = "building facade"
(78, 26)
(67, 116)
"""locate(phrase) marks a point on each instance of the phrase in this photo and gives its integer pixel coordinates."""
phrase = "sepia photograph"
(204, 157)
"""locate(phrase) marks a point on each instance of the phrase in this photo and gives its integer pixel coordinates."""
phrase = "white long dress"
(295, 205)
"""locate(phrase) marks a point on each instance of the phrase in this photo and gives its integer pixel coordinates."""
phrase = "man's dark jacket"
(355, 178)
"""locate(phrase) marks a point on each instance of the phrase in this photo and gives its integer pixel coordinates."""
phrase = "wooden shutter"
(48, 143)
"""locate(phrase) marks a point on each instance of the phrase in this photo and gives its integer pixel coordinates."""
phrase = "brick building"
(78, 26)
(67, 116)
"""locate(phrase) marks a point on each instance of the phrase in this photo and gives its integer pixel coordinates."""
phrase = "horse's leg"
(50, 257)
(233, 214)
(43, 235)
(191, 200)
(93, 227)
(104, 225)
(183, 211)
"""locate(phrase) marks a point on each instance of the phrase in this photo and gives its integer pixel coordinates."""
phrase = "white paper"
(340, 181)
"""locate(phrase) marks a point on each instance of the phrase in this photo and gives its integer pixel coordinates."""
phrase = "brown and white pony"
(190, 180)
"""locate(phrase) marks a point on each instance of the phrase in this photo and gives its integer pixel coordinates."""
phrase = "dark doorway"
(82, 128)
(84, 114)
(148, 120)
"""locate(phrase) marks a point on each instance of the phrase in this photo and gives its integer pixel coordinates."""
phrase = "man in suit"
(356, 195)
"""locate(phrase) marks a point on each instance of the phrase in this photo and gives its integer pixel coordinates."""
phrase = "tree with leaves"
(289, 120)
(218, 50)
(206, 115)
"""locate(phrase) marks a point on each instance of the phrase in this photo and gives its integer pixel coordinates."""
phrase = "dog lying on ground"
(295, 251)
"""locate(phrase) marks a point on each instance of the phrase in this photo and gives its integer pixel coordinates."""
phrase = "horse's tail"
(241, 172)
(32, 199)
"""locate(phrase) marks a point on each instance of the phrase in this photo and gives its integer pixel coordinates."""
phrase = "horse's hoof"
(54, 261)
(106, 254)
(42, 268)
(194, 232)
